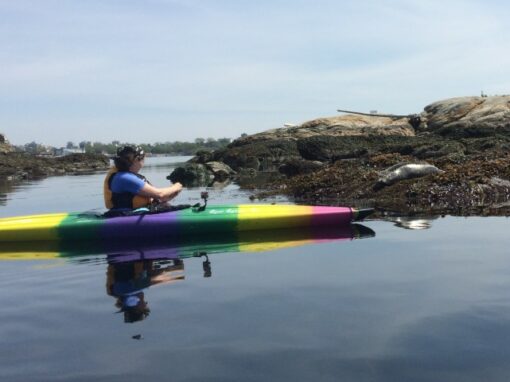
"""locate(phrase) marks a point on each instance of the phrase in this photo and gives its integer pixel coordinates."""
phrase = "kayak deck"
(214, 219)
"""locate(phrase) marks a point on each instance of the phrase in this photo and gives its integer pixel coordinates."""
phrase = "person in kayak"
(126, 190)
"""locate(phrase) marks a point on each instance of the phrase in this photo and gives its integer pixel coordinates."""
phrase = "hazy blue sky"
(159, 70)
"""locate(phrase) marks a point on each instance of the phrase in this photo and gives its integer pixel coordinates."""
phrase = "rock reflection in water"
(6, 187)
(413, 223)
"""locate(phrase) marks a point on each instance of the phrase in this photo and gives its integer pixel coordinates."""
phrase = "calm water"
(428, 304)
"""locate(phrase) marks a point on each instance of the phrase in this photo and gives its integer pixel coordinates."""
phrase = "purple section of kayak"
(141, 226)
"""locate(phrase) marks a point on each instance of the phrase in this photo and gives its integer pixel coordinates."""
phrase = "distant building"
(5, 147)
(62, 151)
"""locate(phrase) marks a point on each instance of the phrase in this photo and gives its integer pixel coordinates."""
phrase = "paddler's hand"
(172, 192)
(177, 187)
(162, 194)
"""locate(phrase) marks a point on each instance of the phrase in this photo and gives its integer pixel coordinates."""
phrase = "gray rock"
(337, 126)
(220, 171)
(469, 116)
(191, 175)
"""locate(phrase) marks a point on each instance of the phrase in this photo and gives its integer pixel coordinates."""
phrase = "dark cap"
(128, 151)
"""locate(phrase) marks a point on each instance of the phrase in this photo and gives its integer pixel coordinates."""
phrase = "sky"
(167, 70)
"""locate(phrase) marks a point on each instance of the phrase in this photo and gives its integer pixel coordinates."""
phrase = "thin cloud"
(237, 65)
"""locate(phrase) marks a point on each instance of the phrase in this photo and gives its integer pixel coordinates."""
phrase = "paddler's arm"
(162, 194)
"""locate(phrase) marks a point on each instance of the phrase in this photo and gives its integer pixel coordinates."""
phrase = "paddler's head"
(129, 158)
(134, 308)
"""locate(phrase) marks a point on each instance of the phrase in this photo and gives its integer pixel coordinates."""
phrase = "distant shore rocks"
(14, 165)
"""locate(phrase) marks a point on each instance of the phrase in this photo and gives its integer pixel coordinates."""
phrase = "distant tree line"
(162, 148)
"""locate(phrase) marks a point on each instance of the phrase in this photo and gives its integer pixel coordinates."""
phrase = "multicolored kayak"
(184, 247)
(187, 222)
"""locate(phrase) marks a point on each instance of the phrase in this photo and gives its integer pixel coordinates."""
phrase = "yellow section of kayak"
(31, 228)
(267, 216)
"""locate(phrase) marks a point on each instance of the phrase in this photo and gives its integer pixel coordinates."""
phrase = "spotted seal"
(403, 171)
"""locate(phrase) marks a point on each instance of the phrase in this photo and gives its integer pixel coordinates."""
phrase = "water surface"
(427, 304)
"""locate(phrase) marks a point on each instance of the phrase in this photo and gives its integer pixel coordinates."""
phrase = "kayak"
(175, 224)
(184, 247)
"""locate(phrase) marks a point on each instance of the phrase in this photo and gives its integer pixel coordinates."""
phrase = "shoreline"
(20, 166)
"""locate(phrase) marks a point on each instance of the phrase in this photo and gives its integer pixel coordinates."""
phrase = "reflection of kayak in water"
(185, 246)
(186, 222)
(133, 266)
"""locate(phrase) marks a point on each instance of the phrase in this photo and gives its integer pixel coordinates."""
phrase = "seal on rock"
(403, 171)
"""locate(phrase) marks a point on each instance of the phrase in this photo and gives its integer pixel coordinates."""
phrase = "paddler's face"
(137, 164)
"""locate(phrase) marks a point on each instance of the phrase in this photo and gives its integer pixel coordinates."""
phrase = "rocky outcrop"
(354, 136)
(340, 159)
(322, 139)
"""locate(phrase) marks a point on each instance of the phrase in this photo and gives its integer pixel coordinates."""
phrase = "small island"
(382, 161)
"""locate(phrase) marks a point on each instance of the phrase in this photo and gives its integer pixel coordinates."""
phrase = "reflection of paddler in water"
(131, 271)
(127, 282)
